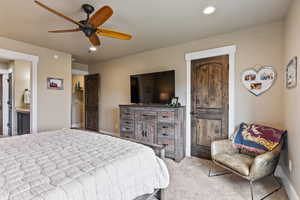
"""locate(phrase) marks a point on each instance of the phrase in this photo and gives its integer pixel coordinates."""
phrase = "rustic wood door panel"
(209, 103)
(9, 104)
(92, 83)
(207, 131)
(1, 106)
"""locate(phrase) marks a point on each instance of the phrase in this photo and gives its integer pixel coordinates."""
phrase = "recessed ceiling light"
(93, 48)
(209, 10)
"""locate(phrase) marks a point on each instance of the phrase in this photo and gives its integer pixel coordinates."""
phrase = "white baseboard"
(289, 188)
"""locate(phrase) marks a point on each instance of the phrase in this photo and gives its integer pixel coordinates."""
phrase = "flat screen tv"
(153, 88)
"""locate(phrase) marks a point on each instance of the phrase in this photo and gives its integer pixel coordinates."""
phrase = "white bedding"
(77, 165)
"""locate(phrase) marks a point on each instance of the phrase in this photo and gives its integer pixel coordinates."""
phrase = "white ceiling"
(153, 23)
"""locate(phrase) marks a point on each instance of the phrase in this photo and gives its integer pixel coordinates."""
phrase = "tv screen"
(153, 88)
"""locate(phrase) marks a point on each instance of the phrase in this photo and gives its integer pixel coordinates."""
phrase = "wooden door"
(9, 103)
(209, 103)
(1, 106)
(92, 84)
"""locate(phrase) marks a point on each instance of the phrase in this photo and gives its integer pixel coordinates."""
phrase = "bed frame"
(158, 194)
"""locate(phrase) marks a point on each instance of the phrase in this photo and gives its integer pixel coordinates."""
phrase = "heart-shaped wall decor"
(258, 82)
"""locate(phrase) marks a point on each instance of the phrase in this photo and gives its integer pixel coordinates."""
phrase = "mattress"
(77, 165)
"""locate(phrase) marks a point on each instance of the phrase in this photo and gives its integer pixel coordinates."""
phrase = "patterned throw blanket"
(258, 138)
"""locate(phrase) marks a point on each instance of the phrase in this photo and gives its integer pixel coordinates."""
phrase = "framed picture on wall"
(55, 83)
(291, 73)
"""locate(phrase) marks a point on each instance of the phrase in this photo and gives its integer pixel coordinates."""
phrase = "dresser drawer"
(126, 114)
(128, 135)
(127, 128)
(146, 116)
(166, 130)
(167, 117)
(170, 148)
(125, 122)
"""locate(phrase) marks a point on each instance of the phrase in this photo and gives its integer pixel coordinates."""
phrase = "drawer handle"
(144, 134)
(165, 134)
(165, 127)
(127, 123)
(127, 113)
(165, 116)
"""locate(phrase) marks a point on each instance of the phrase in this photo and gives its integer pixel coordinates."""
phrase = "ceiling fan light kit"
(90, 26)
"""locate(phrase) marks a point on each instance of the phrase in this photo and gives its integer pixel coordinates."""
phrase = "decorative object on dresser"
(155, 124)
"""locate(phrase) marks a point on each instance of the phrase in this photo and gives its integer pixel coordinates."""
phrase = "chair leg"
(277, 189)
(251, 189)
(210, 174)
(269, 194)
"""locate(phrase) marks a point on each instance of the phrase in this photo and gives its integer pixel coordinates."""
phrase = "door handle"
(192, 113)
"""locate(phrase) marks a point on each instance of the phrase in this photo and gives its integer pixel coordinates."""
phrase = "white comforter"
(77, 165)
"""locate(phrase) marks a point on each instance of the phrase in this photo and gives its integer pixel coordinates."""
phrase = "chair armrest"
(222, 146)
(265, 164)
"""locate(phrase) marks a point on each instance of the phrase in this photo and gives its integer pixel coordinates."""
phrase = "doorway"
(209, 103)
(78, 102)
(15, 87)
(85, 100)
(190, 57)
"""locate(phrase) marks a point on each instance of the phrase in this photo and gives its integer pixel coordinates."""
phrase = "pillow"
(241, 143)
(257, 138)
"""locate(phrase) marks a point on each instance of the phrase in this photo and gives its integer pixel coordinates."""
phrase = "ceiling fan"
(90, 26)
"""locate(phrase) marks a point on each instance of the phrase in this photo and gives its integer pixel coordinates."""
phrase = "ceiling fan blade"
(65, 31)
(94, 39)
(114, 34)
(101, 16)
(58, 13)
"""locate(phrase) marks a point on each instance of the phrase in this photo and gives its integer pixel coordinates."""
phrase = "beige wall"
(4, 65)
(21, 76)
(54, 106)
(292, 96)
(258, 45)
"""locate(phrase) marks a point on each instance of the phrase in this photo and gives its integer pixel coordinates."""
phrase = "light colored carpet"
(190, 181)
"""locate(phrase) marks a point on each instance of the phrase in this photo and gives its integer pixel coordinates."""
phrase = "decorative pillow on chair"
(257, 138)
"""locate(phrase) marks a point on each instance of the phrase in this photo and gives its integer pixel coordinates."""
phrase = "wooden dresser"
(157, 125)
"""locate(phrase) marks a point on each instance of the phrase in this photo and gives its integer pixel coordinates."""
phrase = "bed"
(78, 165)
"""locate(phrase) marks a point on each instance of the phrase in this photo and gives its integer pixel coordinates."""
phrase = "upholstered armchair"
(243, 164)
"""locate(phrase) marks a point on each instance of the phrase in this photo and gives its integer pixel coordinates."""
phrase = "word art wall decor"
(259, 81)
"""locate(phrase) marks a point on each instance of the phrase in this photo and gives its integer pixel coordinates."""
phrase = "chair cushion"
(238, 162)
